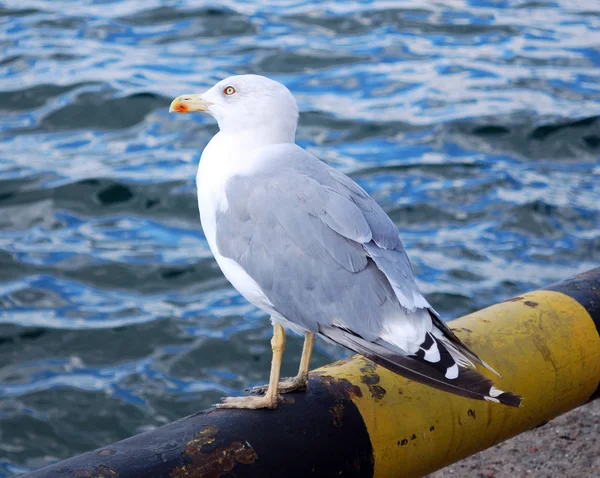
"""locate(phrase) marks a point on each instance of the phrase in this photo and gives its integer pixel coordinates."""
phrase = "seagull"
(307, 245)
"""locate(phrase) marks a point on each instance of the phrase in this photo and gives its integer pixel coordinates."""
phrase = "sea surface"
(475, 123)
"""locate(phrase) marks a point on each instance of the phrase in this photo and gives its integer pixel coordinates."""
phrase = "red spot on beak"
(180, 107)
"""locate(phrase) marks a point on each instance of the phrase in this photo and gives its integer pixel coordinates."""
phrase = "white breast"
(222, 159)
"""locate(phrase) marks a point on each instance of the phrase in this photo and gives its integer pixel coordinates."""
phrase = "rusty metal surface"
(317, 433)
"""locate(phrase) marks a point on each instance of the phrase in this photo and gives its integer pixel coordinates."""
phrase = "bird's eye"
(229, 90)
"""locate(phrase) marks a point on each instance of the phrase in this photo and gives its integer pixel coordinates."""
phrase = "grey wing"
(302, 242)
(386, 248)
(387, 251)
(329, 260)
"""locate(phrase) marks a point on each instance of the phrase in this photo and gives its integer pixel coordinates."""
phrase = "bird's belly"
(208, 203)
(243, 283)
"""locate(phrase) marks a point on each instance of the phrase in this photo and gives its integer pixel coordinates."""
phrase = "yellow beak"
(188, 104)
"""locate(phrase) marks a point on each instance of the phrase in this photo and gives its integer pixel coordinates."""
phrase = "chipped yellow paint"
(206, 436)
(544, 344)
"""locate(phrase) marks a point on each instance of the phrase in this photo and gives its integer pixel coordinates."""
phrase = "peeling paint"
(472, 413)
(213, 463)
(514, 299)
(206, 436)
(340, 388)
(371, 379)
(531, 303)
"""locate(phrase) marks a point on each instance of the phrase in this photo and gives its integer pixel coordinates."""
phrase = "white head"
(244, 104)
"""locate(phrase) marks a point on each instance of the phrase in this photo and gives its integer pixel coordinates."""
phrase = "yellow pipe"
(544, 343)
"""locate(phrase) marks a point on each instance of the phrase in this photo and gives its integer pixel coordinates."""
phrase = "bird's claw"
(252, 402)
(287, 385)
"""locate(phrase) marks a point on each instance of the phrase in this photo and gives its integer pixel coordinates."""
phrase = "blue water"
(476, 124)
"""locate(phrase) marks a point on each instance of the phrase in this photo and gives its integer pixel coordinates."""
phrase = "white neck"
(229, 154)
(257, 136)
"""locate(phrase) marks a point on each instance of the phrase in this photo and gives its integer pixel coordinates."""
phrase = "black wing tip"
(506, 398)
(469, 383)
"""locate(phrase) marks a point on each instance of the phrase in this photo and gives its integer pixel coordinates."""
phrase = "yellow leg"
(270, 398)
(299, 381)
